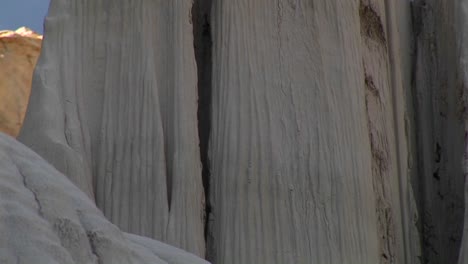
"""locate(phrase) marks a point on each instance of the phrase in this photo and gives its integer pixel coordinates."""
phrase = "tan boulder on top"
(19, 51)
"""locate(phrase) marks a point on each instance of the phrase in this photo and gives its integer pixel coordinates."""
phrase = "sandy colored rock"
(19, 51)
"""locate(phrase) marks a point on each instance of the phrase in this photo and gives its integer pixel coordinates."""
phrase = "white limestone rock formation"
(45, 219)
(301, 171)
(113, 107)
(321, 117)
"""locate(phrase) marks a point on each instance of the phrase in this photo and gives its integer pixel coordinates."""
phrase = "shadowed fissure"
(203, 50)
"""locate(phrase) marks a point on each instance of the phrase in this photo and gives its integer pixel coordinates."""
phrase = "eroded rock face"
(298, 174)
(306, 144)
(45, 219)
(316, 117)
(19, 51)
(114, 108)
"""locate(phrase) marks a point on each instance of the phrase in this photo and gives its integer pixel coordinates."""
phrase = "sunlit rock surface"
(19, 51)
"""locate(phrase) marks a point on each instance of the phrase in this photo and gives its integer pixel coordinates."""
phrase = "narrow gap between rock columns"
(202, 43)
(418, 179)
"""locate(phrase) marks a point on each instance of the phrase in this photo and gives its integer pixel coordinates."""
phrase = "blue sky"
(18, 13)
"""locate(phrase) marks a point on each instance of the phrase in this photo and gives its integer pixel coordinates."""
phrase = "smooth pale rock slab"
(19, 51)
(45, 219)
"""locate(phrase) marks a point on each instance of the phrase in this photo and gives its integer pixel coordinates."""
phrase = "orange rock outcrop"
(19, 51)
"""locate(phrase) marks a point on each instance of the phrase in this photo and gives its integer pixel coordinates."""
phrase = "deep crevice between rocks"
(202, 42)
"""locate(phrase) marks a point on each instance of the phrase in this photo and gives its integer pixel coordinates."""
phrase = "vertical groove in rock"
(378, 95)
(417, 180)
(383, 133)
(201, 16)
(399, 48)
